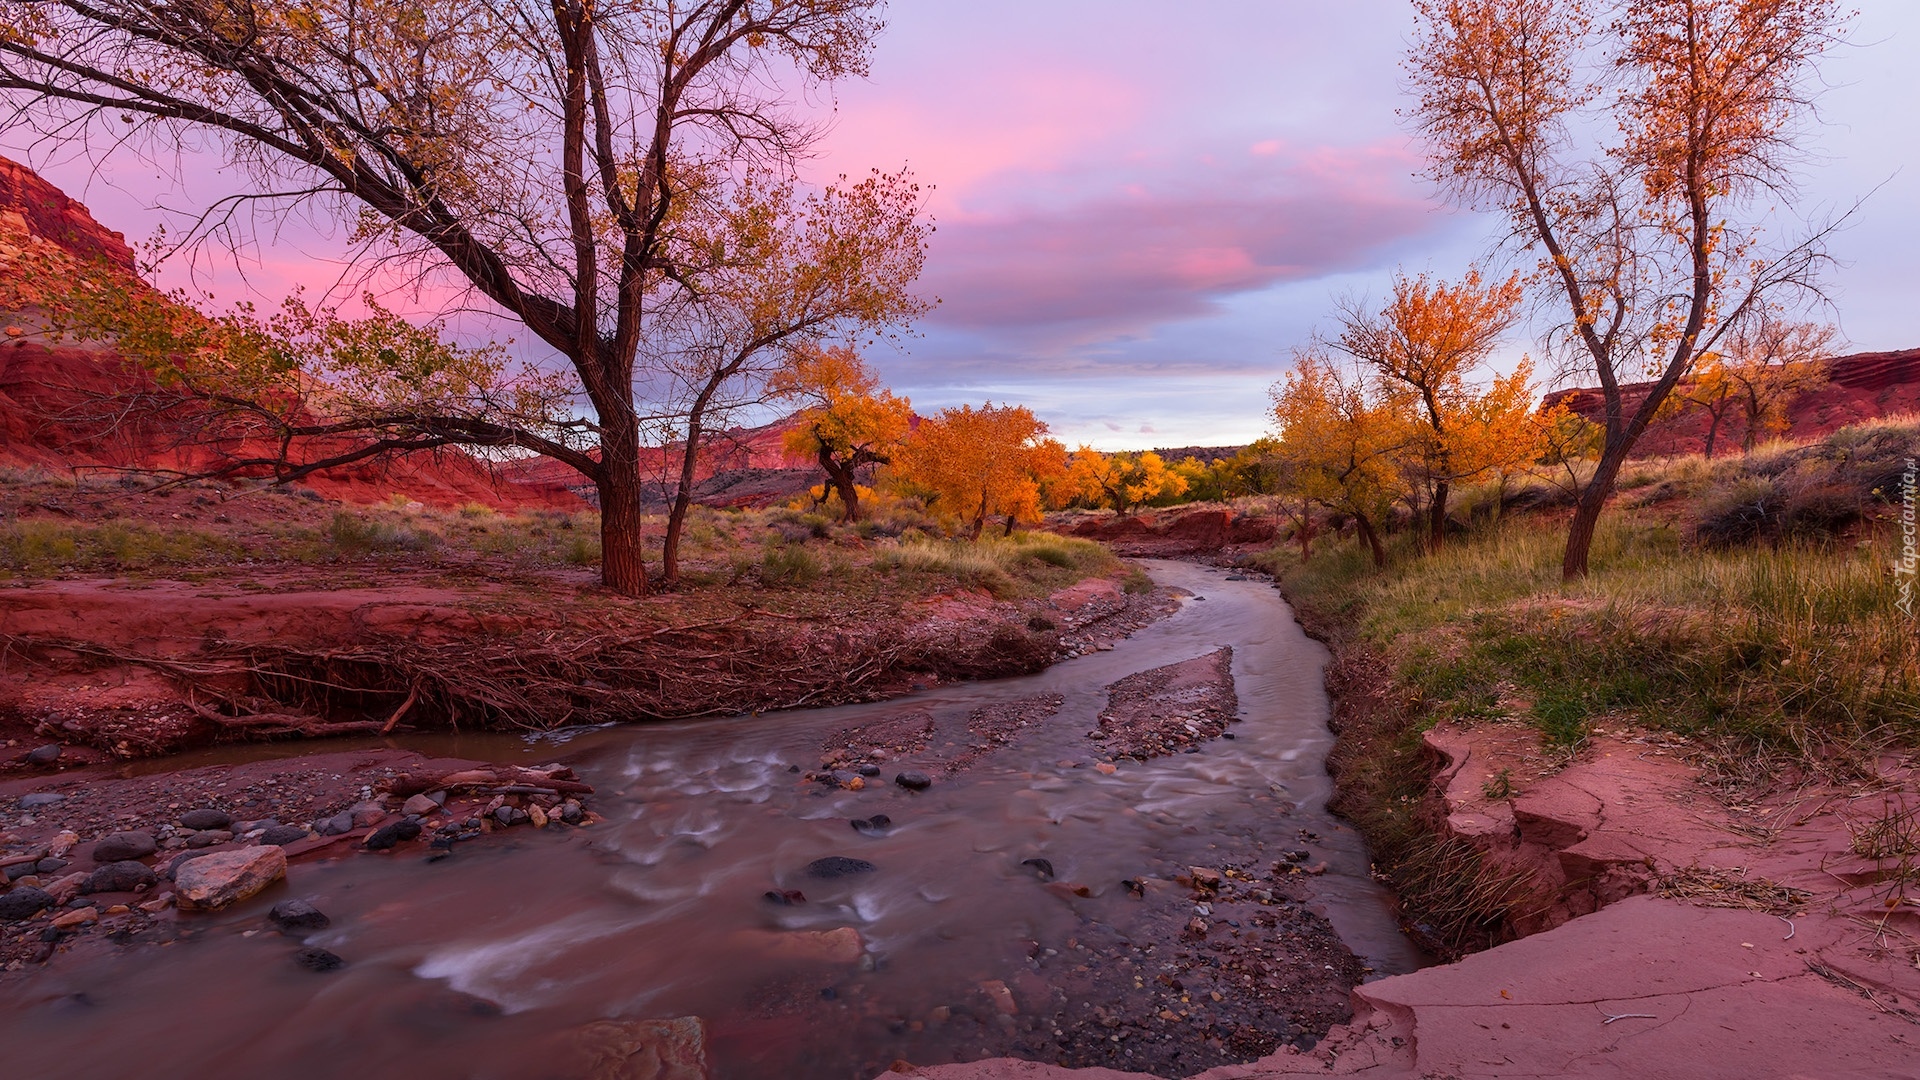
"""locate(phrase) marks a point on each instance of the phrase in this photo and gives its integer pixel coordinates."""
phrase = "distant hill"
(738, 467)
(1861, 387)
(50, 394)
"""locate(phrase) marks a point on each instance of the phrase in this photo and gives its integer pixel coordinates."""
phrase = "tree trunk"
(1586, 514)
(1437, 527)
(1713, 432)
(1372, 538)
(623, 566)
(682, 502)
(1304, 532)
(1009, 531)
(842, 479)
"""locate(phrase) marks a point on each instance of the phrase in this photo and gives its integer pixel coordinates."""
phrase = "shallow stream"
(477, 965)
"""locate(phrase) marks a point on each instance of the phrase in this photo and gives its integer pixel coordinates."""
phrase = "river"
(474, 966)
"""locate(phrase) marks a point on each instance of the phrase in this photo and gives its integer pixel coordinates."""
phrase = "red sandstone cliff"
(65, 406)
(1862, 386)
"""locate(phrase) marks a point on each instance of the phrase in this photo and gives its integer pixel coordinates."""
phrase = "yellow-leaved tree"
(1122, 480)
(980, 463)
(850, 421)
(1339, 439)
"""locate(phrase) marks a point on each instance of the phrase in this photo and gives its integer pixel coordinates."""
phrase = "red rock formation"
(1861, 387)
(66, 406)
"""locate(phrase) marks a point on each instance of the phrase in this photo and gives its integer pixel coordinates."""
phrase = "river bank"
(1662, 821)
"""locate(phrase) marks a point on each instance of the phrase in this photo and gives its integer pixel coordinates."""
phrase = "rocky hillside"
(1861, 387)
(66, 406)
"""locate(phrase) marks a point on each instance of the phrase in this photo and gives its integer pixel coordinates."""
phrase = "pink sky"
(1142, 207)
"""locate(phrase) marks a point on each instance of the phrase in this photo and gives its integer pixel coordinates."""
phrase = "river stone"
(44, 755)
(365, 815)
(20, 870)
(41, 798)
(867, 770)
(673, 1049)
(209, 838)
(419, 806)
(126, 876)
(335, 825)
(315, 958)
(390, 835)
(1044, 867)
(298, 916)
(52, 864)
(225, 877)
(283, 835)
(23, 902)
(914, 781)
(204, 819)
(121, 846)
(834, 866)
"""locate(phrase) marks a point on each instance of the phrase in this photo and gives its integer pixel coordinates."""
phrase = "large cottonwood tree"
(546, 154)
(1636, 146)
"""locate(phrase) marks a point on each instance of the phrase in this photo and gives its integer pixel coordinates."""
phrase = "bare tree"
(1650, 241)
(546, 155)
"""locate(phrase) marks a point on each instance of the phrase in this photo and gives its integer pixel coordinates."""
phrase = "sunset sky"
(1142, 207)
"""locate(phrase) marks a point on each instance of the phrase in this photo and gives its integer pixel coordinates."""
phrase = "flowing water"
(475, 966)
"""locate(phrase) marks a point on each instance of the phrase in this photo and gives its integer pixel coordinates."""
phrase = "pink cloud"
(1133, 251)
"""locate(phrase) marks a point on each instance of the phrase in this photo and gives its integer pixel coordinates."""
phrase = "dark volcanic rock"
(914, 781)
(45, 755)
(24, 903)
(298, 916)
(835, 866)
(121, 846)
(206, 818)
(387, 836)
(284, 835)
(124, 876)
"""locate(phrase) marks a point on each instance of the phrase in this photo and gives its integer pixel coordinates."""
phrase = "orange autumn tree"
(1427, 344)
(1767, 364)
(1121, 480)
(1635, 147)
(980, 463)
(850, 421)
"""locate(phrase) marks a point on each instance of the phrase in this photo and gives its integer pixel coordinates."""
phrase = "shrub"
(354, 535)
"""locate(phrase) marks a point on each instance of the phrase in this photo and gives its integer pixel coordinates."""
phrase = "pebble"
(537, 816)
(1044, 867)
(834, 866)
(570, 811)
(77, 918)
(23, 902)
(121, 846)
(125, 876)
(283, 835)
(873, 826)
(41, 798)
(208, 838)
(868, 770)
(205, 819)
(51, 864)
(914, 781)
(295, 916)
(66, 841)
(511, 815)
(419, 806)
(44, 755)
(1295, 855)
